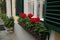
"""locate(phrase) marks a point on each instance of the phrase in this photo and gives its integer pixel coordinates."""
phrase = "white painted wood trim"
(26, 6)
(41, 9)
(8, 6)
(35, 8)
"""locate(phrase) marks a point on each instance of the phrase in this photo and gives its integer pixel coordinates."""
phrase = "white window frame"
(26, 8)
(41, 10)
(31, 6)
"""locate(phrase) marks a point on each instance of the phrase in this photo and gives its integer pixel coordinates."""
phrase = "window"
(36, 8)
(40, 9)
(31, 7)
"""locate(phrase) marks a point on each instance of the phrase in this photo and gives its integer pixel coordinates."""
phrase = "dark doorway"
(19, 6)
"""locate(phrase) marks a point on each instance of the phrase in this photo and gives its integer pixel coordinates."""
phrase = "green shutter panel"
(19, 6)
(52, 14)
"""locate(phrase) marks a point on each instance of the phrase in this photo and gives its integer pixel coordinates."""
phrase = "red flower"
(30, 15)
(32, 20)
(35, 19)
(23, 15)
(38, 19)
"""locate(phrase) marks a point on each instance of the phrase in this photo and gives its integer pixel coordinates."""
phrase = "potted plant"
(9, 24)
(33, 26)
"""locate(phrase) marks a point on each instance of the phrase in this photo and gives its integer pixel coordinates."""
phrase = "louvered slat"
(52, 14)
(53, 2)
(53, 18)
(54, 6)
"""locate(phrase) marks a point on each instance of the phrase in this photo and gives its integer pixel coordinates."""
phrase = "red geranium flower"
(30, 15)
(32, 20)
(38, 19)
(23, 15)
(35, 19)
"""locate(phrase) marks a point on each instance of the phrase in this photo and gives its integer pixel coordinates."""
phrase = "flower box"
(33, 26)
(38, 36)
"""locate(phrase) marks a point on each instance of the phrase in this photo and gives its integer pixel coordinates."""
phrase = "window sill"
(42, 19)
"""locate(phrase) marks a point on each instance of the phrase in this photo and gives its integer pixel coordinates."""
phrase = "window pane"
(38, 8)
(31, 7)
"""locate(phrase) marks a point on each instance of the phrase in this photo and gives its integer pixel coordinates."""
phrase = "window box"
(38, 36)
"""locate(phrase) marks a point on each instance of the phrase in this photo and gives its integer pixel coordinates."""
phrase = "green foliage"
(3, 16)
(0, 3)
(39, 26)
(26, 21)
(36, 26)
(8, 22)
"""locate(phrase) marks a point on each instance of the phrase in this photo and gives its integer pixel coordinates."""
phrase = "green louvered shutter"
(19, 6)
(52, 14)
